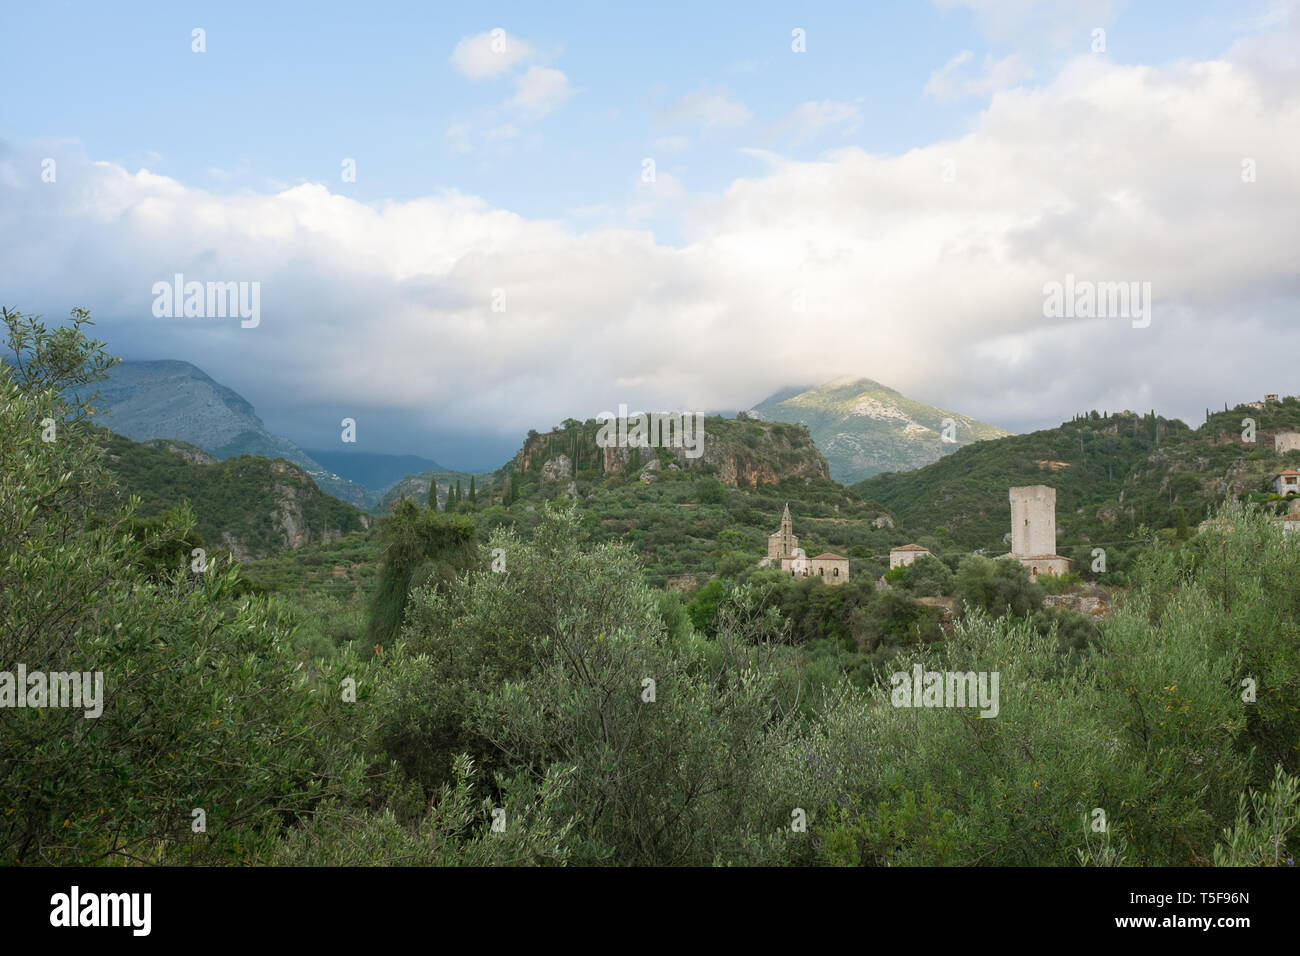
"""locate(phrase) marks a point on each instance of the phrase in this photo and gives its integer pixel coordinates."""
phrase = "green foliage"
(902, 829)
(704, 605)
(245, 501)
(553, 656)
(62, 360)
(710, 491)
(166, 541)
(895, 619)
(927, 576)
(418, 542)
(456, 830)
(1266, 820)
(203, 703)
(998, 586)
(676, 618)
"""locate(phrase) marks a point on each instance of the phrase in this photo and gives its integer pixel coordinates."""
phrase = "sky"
(466, 221)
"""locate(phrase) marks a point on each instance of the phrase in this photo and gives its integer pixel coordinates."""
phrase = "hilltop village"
(1033, 542)
(1033, 532)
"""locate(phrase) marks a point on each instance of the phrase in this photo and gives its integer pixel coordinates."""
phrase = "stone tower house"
(782, 543)
(1033, 520)
(1033, 530)
(1286, 441)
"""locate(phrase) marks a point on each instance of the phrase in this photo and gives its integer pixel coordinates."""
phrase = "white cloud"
(1055, 22)
(540, 91)
(664, 197)
(1109, 172)
(503, 132)
(708, 108)
(811, 119)
(672, 144)
(954, 81)
(459, 134)
(242, 168)
(489, 53)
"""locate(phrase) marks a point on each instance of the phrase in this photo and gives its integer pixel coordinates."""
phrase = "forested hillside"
(1113, 474)
(250, 506)
(688, 518)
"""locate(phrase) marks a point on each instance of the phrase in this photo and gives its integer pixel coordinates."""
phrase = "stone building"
(1287, 482)
(1286, 441)
(1033, 530)
(830, 567)
(901, 557)
(782, 543)
(783, 550)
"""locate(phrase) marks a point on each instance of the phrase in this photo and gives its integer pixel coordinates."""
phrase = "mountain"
(865, 428)
(376, 471)
(177, 400)
(250, 506)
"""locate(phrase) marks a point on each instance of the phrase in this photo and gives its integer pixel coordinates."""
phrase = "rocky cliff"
(740, 452)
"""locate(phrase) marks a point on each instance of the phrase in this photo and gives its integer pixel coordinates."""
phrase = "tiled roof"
(910, 547)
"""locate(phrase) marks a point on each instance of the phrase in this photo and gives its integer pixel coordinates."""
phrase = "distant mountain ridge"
(177, 400)
(378, 472)
(865, 428)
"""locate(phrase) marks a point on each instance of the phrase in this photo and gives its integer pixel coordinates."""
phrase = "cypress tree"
(473, 498)
(414, 543)
(433, 495)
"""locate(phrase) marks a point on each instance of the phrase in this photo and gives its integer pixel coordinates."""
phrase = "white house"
(1287, 482)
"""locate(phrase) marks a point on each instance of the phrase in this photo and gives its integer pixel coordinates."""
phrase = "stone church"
(783, 550)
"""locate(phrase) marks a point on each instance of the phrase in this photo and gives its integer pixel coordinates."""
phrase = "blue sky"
(522, 169)
(285, 91)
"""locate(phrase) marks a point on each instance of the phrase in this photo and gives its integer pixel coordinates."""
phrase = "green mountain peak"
(865, 428)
